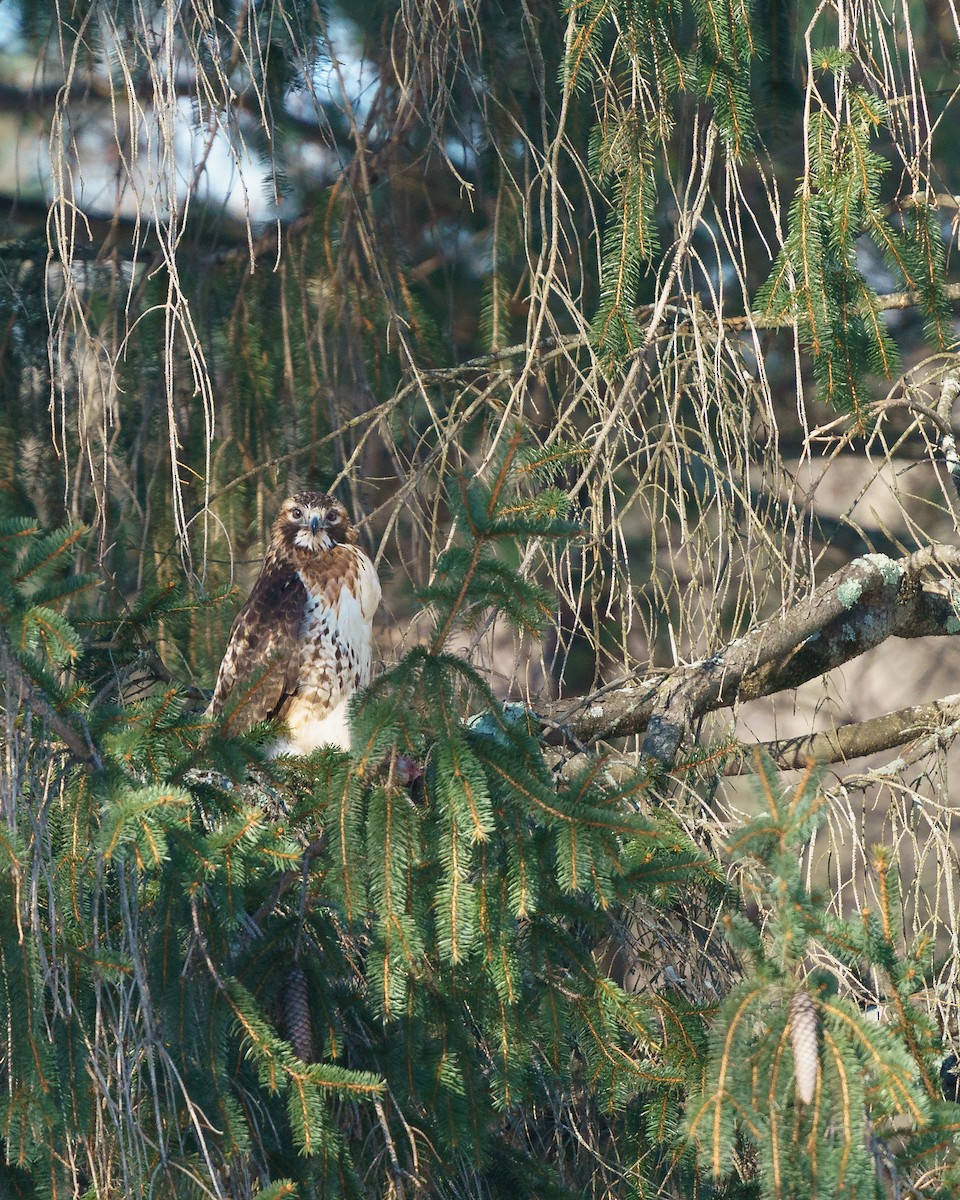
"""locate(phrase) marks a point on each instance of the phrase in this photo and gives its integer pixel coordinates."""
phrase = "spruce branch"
(77, 741)
(553, 346)
(480, 533)
(850, 1077)
(919, 725)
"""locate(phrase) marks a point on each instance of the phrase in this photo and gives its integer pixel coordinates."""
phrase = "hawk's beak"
(314, 524)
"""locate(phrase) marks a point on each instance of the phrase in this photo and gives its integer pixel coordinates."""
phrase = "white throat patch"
(313, 542)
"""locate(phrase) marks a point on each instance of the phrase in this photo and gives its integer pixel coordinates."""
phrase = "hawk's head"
(311, 522)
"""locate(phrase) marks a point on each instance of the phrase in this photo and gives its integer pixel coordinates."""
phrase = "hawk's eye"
(296, 513)
(334, 518)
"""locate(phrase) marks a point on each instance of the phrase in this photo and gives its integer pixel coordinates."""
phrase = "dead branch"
(917, 723)
(868, 601)
(856, 740)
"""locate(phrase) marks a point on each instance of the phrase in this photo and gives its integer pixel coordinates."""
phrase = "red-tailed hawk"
(303, 640)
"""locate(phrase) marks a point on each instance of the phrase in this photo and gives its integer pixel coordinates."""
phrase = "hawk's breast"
(335, 649)
(342, 594)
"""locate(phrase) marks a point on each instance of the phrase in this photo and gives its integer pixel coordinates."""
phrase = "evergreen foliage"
(656, 51)
(424, 919)
(816, 281)
(873, 1098)
(641, 58)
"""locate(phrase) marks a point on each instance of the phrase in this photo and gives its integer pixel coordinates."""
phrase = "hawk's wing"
(368, 586)
(261, 664)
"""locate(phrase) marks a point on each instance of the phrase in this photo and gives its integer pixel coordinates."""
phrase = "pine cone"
(295, 997)
(805, 1038)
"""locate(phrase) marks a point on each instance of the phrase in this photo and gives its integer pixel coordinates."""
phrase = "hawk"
(301, 645)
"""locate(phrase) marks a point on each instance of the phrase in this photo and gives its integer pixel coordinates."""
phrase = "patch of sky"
(342, 78)
(10, 40)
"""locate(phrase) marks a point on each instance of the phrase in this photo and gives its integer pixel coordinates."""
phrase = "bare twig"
(949, 390)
